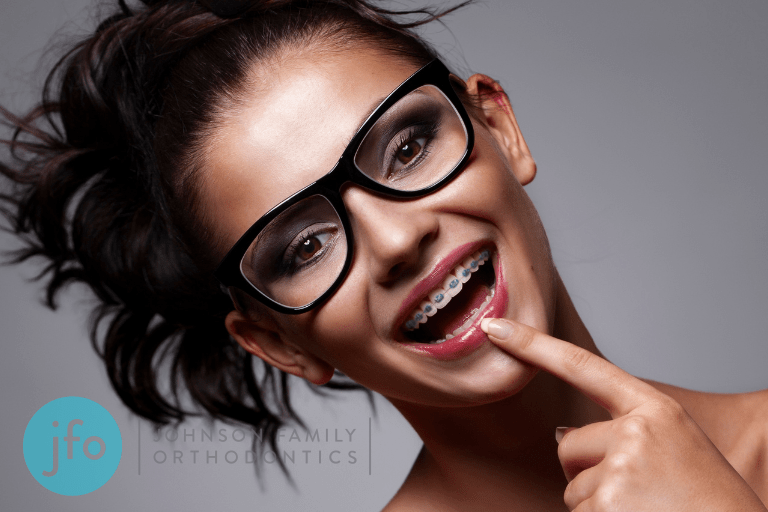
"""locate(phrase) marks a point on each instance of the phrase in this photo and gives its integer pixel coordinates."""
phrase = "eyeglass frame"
(345, 170)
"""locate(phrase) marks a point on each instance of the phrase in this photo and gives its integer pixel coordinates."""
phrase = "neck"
(512, 441)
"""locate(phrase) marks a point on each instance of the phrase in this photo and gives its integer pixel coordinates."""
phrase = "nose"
(393, 235)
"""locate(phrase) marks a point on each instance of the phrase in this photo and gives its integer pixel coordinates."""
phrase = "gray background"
(649, 122)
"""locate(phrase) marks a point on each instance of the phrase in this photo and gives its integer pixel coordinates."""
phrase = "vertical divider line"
(369, 446)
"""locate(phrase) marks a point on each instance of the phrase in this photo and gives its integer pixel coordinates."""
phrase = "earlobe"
(499, 117)
(264, 342)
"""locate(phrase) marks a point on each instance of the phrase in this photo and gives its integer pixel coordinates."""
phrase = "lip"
(473, 337)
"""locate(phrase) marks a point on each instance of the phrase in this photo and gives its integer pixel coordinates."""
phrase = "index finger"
(603, 382)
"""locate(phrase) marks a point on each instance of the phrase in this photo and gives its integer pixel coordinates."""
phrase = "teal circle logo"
(72, 446)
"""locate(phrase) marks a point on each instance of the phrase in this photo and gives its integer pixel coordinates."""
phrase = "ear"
(500, 120)
(262, 339)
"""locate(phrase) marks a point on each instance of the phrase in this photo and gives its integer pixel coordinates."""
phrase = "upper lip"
(435, 279)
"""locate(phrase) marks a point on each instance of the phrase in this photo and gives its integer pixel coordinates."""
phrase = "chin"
(492, 375)
(499, 377)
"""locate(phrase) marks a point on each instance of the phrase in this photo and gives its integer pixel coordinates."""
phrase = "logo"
(72, 446)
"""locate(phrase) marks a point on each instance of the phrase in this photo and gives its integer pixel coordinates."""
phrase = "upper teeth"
(441, 296)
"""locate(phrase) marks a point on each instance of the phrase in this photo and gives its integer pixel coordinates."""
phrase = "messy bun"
(102, 185)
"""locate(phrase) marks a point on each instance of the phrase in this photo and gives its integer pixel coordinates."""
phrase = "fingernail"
(560, 432)
(496, 328)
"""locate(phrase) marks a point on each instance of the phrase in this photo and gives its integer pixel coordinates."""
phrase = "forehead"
(290, 129)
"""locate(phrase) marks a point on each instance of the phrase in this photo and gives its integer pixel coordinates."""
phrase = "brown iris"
(309, 248)
(409, 150)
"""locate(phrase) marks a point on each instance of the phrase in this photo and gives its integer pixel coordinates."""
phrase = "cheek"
(528, 264)
(533, 246)
(340, 331)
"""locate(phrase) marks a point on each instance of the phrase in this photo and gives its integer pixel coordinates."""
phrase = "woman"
(288, 112)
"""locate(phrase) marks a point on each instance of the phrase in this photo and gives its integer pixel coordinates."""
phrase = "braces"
(437, 297)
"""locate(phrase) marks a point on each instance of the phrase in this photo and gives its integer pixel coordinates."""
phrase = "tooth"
(452, 286)
(465, 325)
(470, 263)
(428, 308)
(417, 318)
(463, 273)
(450, 282)
(480, 257)
(439, 299)
(472, 317)
(462, 327)
(449, 336)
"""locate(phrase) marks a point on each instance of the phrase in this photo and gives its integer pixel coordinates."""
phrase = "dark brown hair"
(103, 178)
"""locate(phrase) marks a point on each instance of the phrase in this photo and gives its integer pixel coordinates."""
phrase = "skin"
(487, 419)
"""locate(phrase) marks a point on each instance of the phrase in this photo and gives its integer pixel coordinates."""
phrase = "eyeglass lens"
(299, 255)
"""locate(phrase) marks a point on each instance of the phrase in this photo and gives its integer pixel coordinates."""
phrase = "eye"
(309, 246)
(409, 150)
(308, 249)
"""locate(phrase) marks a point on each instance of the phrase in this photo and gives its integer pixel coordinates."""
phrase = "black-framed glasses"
(298, 253)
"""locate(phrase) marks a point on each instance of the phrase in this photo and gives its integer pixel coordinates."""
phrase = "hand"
(652, 456)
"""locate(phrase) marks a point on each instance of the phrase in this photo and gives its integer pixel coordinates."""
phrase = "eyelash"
(414, 132)
(290, 253)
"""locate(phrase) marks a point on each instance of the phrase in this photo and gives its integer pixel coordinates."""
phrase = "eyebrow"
(365, 118)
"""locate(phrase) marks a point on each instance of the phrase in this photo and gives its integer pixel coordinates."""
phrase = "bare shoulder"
(752, 451)
(758, 457)
(721, 415)
(737, 424)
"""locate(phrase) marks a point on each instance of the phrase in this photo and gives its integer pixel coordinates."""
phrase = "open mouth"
(451, 308)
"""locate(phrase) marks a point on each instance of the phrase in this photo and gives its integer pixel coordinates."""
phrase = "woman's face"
(298, 114)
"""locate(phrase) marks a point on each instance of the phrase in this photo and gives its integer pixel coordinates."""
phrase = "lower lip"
(473, 337)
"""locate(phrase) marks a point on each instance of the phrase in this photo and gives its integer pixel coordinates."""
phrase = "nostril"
(395, 270)
(410, 254)
(428, 237)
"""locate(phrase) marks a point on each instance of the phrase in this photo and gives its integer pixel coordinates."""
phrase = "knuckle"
(672, 410)
(576, 360)
(636, 427)
(526, 339)
(606, 499)
(668, 411)
(622, 466)
(571, 495)
(620, 463)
